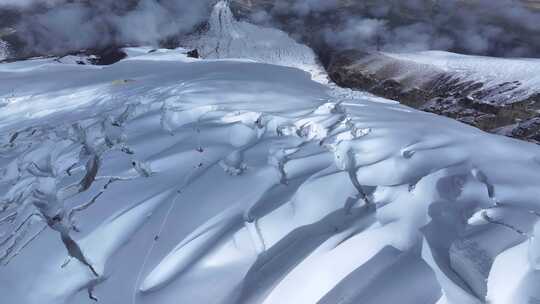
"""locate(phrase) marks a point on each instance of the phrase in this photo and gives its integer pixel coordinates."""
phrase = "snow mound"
(161, 178)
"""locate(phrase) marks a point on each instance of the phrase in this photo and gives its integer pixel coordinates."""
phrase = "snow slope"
(175, 180)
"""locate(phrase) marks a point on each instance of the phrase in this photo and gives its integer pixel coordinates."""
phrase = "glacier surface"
(167, 179)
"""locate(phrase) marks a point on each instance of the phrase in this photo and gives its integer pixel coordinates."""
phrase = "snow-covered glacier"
(167, 179)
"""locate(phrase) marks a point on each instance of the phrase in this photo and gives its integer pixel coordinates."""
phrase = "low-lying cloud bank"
(51, 26)
(488, 27)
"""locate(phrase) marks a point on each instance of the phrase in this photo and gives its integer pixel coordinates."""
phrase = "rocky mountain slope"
(496, 95)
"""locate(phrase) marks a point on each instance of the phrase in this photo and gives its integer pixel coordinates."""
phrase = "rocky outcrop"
(105, 56)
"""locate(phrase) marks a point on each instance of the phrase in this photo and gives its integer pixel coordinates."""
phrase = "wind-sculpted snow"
(166, 179)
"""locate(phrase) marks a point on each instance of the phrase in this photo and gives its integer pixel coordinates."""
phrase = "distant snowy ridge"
(227, 37)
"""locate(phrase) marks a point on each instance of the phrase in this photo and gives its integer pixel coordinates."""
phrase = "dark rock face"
(193, 53)
(107, 56)
(471, 102)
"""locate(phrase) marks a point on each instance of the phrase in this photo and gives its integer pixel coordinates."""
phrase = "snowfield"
(166, 179)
